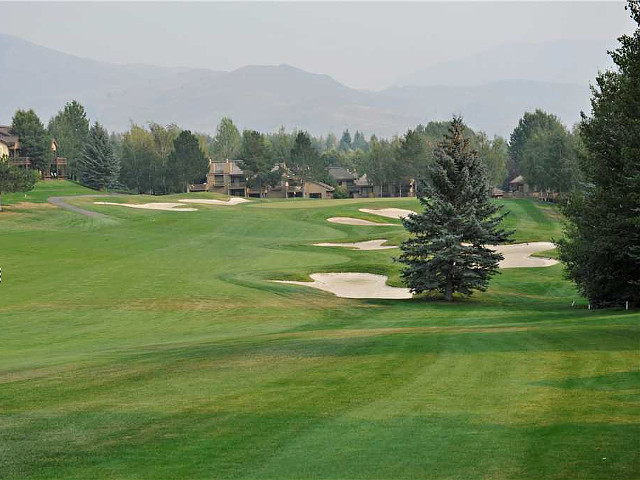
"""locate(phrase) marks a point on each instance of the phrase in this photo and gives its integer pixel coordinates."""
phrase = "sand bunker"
(515, 256)
(167, 207)
(518, 255)
(368, 245)
(357, 221)
(354, 285)
(206, 201)
(388, 212)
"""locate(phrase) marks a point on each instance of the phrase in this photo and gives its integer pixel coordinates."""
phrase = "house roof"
(363, 181)
(235, 169)
(341, 173)
(519, 180)
(7, 137)
(328, 188)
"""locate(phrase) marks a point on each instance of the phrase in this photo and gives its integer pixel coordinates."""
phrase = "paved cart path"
(60, 202)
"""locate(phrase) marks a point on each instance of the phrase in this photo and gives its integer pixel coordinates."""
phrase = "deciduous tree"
(227, 141)
(35, 141)
(70, 128)
(15, 179)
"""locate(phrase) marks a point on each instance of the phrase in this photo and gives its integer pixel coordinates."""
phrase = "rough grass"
(150, 346)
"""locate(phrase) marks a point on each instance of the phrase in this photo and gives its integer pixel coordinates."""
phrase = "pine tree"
(601, 248)
(256, 159)
(99, 166)
(448, 249)
(187, 163)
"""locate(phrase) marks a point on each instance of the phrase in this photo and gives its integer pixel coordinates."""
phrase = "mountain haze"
(566, 61)
(260, 97)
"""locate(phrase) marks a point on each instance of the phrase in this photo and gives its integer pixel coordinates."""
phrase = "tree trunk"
(448, 291)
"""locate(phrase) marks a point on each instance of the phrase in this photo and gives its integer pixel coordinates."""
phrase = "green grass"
(47, 189)
(150, 346)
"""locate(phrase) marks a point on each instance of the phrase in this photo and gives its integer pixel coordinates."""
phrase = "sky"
(363, 45)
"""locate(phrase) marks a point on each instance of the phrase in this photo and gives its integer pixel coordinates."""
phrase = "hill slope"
(260, 97)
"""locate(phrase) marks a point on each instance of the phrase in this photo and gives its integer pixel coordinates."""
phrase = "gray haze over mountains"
(491, 90)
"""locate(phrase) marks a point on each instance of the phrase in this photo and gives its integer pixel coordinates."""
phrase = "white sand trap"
(388, 212)
(167, 207)
(357, 221)
(368, 245)
(354, 285)
(518, 255)
(206, 201)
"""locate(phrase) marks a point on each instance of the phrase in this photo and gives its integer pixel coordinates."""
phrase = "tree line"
(160, 159)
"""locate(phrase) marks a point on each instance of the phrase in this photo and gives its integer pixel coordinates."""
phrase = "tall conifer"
(448, 250)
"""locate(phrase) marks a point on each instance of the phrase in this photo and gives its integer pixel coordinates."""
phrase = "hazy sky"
(364, 45)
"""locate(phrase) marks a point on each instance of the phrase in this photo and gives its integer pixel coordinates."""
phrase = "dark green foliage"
(527, 126)
(345, 141)
(14, 179)
(548, 160)
(35, 142)
(187, 164)
(141, 167)
(305, 161)
(380, 167)
(280, 145)
(447, 251)
(70, 129)
(256, 159)
(413, 156)
(99, 166)
(601, 248)
(359, 142)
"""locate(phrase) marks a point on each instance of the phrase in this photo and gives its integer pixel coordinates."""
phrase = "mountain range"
(267, 97)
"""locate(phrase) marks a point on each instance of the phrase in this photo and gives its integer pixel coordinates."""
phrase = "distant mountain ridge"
(566, 61)
(259, 97)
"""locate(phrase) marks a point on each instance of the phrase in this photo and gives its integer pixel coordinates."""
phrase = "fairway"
(151, 344)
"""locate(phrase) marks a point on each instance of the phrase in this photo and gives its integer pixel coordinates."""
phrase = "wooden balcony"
(20, 161)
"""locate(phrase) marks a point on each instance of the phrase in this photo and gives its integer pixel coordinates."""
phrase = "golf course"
(154, 344)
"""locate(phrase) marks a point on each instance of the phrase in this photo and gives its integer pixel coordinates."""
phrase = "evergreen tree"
(448, 248)
(359, 142)
(70, 129)
(187, 164)
(601, 248)
(35, 141)
(256, 159)
(345, 142)
(331, 143)
(305, 161)
(99, 166)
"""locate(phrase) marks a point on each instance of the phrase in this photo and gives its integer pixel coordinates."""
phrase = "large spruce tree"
(601, 248)
(99, 166)
(448, 250)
